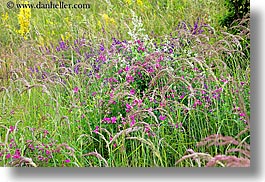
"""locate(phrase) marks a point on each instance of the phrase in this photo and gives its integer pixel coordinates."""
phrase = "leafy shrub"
(237, 9)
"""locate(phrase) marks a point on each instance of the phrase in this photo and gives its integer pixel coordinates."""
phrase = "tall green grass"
(175, 94)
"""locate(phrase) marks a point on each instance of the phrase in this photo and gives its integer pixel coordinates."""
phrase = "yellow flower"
(99, 24)
(129, 2)
(4, 16)
(108, 20)
(24, 20)
(67, 35)
(62, 37)
(139, 3)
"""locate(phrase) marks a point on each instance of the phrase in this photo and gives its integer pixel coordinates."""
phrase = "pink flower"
(132, 91)
(197, 102)
(107, 120)
(111, 94)
(94, 93)
(133, 120)
(48, 152)
(182, 96)
(128, 107)
(96, 130)
(11, 129)
(120, 71)
(158, 65)
(97, 76)
(75, 89)
(45, 132)
(127, 68)
(8, 156)
(162, 104)
(162, 118)
(17, 154)
(67, 161)
(132, 123)
(178, 125)
(242, 114)
(113, 119)
(129, 79)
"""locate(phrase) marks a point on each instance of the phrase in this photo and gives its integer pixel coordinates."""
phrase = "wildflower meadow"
(124, 83)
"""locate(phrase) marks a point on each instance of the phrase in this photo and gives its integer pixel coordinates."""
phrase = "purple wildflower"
(76, 69)
(129, 79)
(11, 129)
(8, 156)
(132, 123)
(162, 118)
(128, 107)
(75, 89)
(94, 93)
(113, 119)
(178, 125)
(45, 132)
(120, 71)
(67, 161)
(182, 96)
(62, 45)
(97, 76)
(48, 152)
(132, 91)
(197, 102)
(127, 68)
(242, 114)
(96, 130)
(107, 120)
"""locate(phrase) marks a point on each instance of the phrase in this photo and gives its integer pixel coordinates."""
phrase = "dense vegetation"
(124, 84)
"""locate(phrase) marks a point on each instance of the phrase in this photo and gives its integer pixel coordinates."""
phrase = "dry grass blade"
(217, 140)
(23, 161)
(72, 151)
(230, 161)
(149, 143)
(244, 152)
(126, 132)
(197, 156)
(98, 156)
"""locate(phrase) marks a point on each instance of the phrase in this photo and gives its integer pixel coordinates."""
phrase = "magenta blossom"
(120, 71)
(97, 76)
(75, 89)
(113, 119)
(128, 107)
(132, 91)
(96, 130)
(8, 156)
(11, 129)
(162, 118)
(127, 68)
(107, 120)
(178, 125)
(242, 114)
(129, 79)
(17, 154)
(132, 123)
(67, 161)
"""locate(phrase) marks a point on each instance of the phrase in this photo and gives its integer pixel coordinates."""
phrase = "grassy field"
(127, 83)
